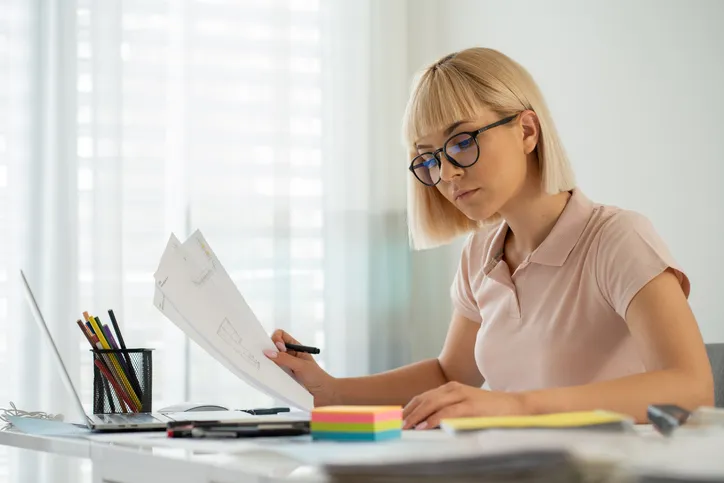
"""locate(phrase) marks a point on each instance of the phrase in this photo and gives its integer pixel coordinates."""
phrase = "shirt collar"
(560, 241)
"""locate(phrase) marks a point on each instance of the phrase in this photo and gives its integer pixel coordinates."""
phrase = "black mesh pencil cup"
(122, 380)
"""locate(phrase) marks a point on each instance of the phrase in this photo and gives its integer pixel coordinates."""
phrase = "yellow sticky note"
(551, 421)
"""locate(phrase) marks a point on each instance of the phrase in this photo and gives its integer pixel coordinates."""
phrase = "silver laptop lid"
(38, 316)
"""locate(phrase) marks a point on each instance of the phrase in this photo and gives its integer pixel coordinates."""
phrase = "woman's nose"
(448, 171)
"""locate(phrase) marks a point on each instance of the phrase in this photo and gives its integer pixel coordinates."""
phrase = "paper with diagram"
(195, 292)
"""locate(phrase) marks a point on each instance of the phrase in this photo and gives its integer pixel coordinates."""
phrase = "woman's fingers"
(452, 411)
(285, 360)
(428, 403)
(280, 337)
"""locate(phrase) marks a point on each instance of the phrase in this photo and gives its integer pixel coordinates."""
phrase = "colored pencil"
(110, 379)
(107, 387)
(114, 360)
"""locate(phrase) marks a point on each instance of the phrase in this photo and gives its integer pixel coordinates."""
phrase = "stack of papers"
(195, 292)
(443, 459)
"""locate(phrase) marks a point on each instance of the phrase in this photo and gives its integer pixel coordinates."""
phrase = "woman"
(560, 303)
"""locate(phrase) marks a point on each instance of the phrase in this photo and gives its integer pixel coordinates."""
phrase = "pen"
(123, 359)
(206, 433)
(266, 411)
(302, 348)
(251, 430)
(122, 343)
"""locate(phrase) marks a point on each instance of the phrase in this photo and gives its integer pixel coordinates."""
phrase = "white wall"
(636, 89)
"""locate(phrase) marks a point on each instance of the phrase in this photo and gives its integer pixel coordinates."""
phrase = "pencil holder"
(122, 380)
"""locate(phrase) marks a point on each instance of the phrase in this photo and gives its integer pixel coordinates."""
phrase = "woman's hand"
(455, 400)
(304, 368)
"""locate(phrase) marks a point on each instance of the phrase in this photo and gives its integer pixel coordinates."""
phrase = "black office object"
(667, 417)
(266, 411)
(302, 348)
(225, 429)
(133, 378)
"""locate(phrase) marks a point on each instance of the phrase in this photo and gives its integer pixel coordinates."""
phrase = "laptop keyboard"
(136, 418)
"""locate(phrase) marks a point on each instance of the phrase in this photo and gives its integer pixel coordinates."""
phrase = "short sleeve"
(630, 254)
(463, 299)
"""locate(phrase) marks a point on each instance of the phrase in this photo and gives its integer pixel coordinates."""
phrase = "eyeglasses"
(461, 150)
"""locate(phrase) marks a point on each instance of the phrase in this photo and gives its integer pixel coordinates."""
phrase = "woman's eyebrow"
(447, 132)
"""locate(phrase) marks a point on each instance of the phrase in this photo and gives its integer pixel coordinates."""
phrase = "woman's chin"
(478, 213)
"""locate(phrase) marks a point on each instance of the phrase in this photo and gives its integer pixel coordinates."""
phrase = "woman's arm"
(455, 363)
(664, 328)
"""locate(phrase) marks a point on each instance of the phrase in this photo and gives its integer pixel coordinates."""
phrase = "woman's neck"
(531, 215)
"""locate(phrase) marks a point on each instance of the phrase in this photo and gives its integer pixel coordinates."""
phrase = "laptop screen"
(38, 316)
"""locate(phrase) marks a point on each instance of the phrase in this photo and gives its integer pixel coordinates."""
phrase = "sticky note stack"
(356, 423)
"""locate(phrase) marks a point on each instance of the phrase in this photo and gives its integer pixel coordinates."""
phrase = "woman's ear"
(531, 130)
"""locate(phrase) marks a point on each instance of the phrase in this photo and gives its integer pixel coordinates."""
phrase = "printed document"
(195, 292)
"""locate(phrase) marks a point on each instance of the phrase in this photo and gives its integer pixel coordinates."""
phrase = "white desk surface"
(75, 447)
(151, 457)
(146, 457)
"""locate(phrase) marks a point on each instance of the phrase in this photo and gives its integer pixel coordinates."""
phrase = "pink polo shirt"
(559, 319)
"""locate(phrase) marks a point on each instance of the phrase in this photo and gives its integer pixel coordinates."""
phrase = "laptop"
(120, 422)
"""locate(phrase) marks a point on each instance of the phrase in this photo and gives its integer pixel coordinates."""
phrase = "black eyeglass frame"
(436, 154)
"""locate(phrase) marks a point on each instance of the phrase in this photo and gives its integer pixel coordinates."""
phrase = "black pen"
(266, 411)
(302, 348)
(298, 428)
(126, 356)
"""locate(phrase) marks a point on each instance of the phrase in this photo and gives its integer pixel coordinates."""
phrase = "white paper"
(195, 292)
(200, 253)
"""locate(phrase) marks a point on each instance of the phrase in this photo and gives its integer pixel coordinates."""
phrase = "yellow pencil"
(122, 375)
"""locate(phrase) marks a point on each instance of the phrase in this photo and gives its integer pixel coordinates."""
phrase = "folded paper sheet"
(195, 292)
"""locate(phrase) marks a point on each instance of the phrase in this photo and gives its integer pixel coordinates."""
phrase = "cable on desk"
(14, 411)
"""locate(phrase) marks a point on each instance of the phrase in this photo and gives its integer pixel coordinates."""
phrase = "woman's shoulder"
(611, 221)
(628, 253)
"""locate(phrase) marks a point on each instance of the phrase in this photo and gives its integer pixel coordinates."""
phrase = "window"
(207, 115)
(188, 114)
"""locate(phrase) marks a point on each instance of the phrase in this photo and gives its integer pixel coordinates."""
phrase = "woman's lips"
(465, 194)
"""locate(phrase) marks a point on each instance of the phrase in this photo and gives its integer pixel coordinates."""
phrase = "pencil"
(108, 375)
(113, 370)
(122, 343)
(123, 359)
(106, 387)
(114, 361)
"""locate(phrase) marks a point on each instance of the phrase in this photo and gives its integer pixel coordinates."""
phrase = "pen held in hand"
(302, 348)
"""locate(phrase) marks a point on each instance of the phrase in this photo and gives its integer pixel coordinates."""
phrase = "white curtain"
(273, 126)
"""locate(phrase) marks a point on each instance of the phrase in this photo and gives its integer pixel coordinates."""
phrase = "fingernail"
(271, 354)
(422, 425)
(281, 347)
(404, 424)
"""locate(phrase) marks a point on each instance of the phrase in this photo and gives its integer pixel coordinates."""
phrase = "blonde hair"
(457, 87)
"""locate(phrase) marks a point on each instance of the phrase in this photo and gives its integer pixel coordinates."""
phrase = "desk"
(151, 458)
(129, 463)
